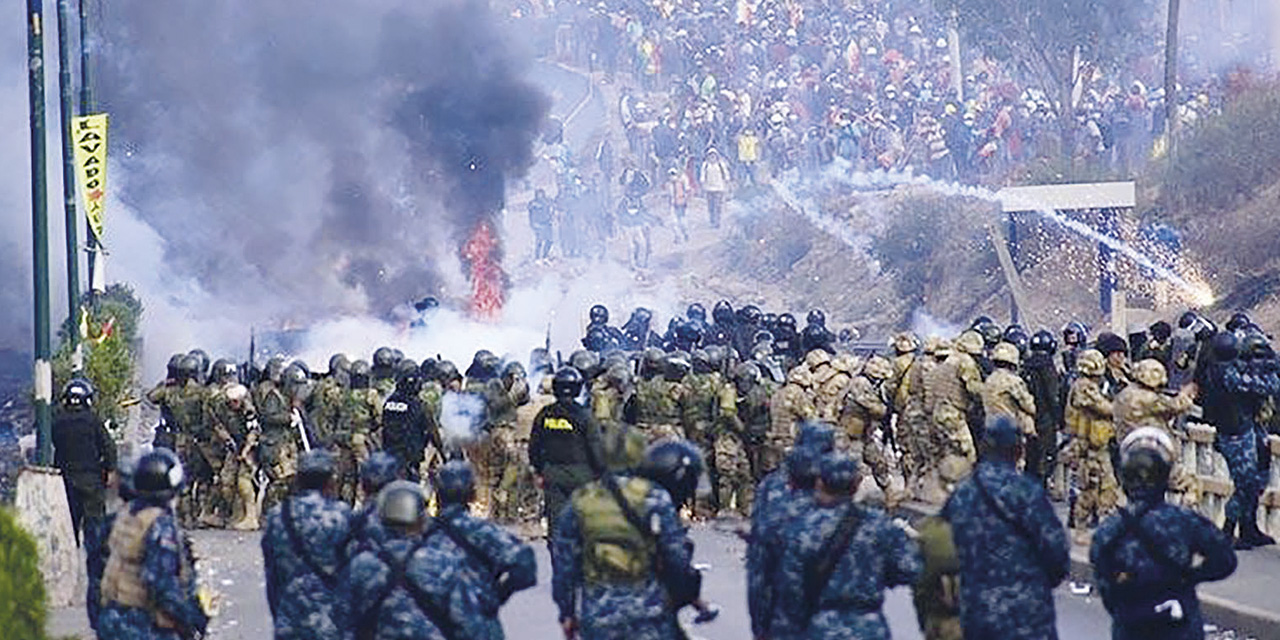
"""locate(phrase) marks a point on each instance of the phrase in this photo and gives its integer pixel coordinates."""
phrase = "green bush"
(110, 361)
(23, 609)
(1228, 157)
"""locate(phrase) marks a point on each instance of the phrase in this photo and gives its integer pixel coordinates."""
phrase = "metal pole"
(43, 381)
(67, 93)
(1171, 77)
(86, 108)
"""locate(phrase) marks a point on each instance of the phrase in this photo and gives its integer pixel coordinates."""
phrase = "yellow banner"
(90, 136)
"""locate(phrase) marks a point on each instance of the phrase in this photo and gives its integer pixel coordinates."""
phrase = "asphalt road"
(231, 563)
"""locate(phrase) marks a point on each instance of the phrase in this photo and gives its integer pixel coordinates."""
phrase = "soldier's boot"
(1251, 534)
(248, 501)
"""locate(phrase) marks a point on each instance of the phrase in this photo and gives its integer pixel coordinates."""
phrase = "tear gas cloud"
(461, 416)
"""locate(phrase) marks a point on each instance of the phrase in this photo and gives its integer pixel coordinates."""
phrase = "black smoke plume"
(305, 157)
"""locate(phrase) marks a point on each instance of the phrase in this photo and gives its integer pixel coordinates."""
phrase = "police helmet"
(701, 362)
(567, 383)
(1225, 347)
(78, 393)
(224, 370)
(384, 358)
(1160, 331)
(378, 471)
(979, 321)
(1146, 458)
(174, 368)
(1074, 334)
(427, 370)
(294, 375)
(158, 476)
(586, 362)
(339, 362)
(1043, 342)
(599, 314)
(597, 339)
(675, 367)
(455, 482)
(189, 367)
(787, 324)
(203, 359)
(696, 312)
(1012, 332)
(402, 504)
(514, 369)
(409, 381)
(817, 318)
(447, 372)
(1238, 322)
(361, 372)
(406, 367)
(751, 315)
(273, 369)
(990, 333)
(722, 313)
(676, 465)
(1256, 347)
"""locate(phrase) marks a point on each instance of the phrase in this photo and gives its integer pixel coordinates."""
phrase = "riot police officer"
(84, 452)
(564, 443)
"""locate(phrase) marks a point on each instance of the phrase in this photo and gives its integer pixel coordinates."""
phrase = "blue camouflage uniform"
(880, 556)
(170, 580)
(493, 562)
(605, 611)
(401, 589)
(1011, 556)
(1129, 578)
(776, 504)
(1239, 440)
(302, 563)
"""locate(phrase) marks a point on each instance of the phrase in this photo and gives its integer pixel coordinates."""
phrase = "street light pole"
(86, 107)
(67, 94)
(43, 381)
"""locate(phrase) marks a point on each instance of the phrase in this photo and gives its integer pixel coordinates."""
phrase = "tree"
(1050, 41)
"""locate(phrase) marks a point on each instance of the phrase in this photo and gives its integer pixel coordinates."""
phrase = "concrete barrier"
(41, 503)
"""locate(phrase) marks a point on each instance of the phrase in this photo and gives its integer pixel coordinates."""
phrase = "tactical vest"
(656, 402)
(122, 579)
(702, 401)
(613, 551)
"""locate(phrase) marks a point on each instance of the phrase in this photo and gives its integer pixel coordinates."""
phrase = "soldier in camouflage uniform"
(790, 406)
(753, 414)
(954, 387)
(1006, 393)
(1089, 420)
(705, 398)
(1145, 404)
(279, 408)
(324, 406)
(504, 457)
(873, 555)
(866, 409)
(914, 422)
(658, 401)
(1012, 548)
(303, 552)
(358, 429)
(234, 423)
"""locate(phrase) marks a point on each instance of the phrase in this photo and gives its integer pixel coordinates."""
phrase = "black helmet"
(1013, 333)
(339, 362)
(586, 362)
(817, 318)
(1044, 342)
(203, 359)
(428, 368)
(979, 321)
(599, 314)
(294, 375)
(402, 504)
(224, 370)
(1075, 334)
(484, 366)
(1256, 347)
(300, 364)
(447, 372)
(696, 312)
(455, 482)
(676, 366)
(750, 315)
(273, 369)
(722, 313)
(597, 338)
(567, 384)
(396, 355)
(769, 321)
(1160, 331)
(189, 368)
(409, 381)
(787, 324)
(1188, 319)
(1225, 346)
(701, 362)
(1109, 343)
(360, 374)
(159, 475)
(1238, 322)
(384, 358)
(78, 393)
(406, 367)
(676, 465)
(991, 334)
(514, 369)
(174, 367)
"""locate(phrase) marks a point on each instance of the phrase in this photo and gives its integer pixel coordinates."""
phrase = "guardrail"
(1215, 481)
